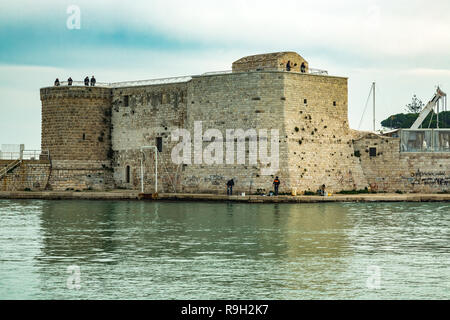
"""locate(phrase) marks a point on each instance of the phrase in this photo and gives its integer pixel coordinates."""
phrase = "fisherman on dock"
(230, 185)
(276, 184)
(322, 191)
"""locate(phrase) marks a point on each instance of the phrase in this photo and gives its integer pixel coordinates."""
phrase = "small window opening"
(126, 101)
(127, 174)
(159, 144)
(334, 103)
(305, 101)
(84, 136)
(373, 152)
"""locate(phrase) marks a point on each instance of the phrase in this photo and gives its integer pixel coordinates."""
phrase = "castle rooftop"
(276, 61)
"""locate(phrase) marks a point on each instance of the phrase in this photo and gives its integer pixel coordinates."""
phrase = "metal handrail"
(25, 155)
(81, 84)
(169, 80)
(318, 71)
(150, 82)
(9, 167)
(217, 72)
(129, 83)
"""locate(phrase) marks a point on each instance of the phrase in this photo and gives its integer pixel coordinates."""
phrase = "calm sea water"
(145, 250)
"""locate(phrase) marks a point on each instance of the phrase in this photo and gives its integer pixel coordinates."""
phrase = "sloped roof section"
(265, 56)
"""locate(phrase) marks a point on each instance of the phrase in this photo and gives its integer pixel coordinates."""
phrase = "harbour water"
(200, 250)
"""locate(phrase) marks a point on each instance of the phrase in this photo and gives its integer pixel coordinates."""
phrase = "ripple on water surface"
(177, 250)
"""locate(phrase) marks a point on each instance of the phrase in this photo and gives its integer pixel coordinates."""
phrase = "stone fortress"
(94, 135)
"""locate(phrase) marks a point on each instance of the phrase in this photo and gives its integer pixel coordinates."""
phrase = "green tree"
(415, 106)
(405, 121)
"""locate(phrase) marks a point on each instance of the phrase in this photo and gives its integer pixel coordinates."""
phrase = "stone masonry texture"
(95, 134)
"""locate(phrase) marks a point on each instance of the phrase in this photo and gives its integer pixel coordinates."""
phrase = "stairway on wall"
(4, 171)
(24, 175)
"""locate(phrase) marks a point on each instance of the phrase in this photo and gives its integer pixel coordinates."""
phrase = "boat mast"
(373, 92)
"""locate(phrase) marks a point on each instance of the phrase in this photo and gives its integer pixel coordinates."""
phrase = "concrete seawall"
(135, 195)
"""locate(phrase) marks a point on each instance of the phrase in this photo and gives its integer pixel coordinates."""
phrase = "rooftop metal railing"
(81, 84)
(310, 71)
(25, 155)
(217, 72)
(171, 79)
(129, 83)
(318, 71)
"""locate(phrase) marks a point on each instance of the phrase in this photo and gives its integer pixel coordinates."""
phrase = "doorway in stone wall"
(127, 174)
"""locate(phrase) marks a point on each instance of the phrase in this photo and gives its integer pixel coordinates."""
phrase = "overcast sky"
(403, 46)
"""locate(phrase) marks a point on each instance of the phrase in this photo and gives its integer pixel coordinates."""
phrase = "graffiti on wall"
(435, 178)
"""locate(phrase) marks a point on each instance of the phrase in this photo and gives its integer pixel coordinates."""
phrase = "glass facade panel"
(425, 140)
(442, 140)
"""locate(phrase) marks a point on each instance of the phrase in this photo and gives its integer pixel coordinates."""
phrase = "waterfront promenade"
(136, 195)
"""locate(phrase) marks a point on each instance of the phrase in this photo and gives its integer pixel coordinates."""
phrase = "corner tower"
(76, 130)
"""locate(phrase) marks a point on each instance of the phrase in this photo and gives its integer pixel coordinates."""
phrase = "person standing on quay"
(230, 185)
(276, 184)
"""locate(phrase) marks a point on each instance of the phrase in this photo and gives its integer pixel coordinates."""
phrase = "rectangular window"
(373, 152)
(159, 144)
(126, 101)
(334, 103)
(305, 101)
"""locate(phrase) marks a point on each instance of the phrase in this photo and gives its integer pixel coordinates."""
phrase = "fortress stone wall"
(95, 134)
(248, 100)
(390, 170)
(141, 115)
(317, 133)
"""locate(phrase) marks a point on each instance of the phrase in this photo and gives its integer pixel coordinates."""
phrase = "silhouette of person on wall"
(69, 81)
(288, 66)
(57, 82)
(93, 81)
(86, 81)
(303, 68)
